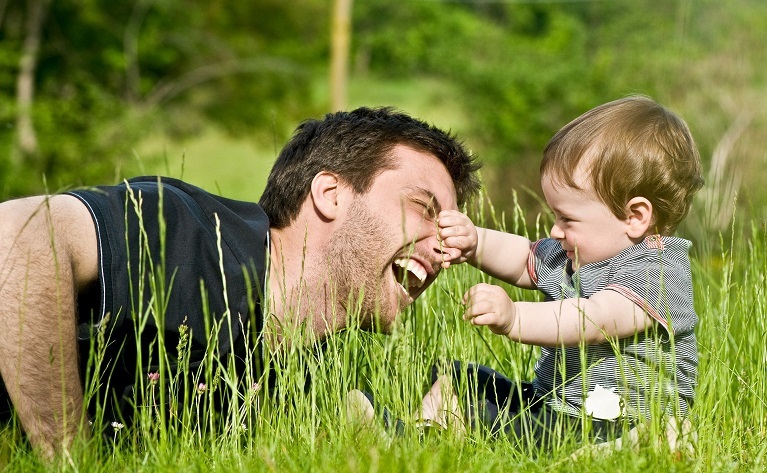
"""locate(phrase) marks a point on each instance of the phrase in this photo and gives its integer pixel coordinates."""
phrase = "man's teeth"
(413, 268)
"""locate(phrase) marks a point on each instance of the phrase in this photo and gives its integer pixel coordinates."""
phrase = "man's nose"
(434, 249)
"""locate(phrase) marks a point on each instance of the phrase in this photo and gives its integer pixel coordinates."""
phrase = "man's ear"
(324, 194)
(639, 217)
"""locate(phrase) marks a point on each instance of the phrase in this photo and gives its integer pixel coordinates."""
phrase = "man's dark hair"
(357, 146)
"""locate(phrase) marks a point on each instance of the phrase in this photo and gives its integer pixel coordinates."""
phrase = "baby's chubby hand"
(458, 236)
(489, 305)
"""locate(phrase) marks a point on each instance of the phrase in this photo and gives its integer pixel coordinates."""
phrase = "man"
(348, 218)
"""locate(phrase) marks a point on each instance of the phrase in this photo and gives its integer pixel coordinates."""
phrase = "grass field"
(298, 430)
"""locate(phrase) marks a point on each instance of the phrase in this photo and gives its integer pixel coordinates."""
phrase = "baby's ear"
(639, 217)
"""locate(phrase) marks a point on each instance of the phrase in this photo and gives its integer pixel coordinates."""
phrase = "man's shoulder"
(161, 183)
(223, 207)
(181, 202)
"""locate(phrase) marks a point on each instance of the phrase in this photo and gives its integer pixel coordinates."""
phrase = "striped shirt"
(653, 369)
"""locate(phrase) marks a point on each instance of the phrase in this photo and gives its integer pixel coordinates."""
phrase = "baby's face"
(585, 227)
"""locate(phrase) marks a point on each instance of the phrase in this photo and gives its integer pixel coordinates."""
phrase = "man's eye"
(428, 209)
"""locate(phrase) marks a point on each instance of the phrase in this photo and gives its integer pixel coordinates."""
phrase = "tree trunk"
(3, 6)
(339, 53)
(25, 83)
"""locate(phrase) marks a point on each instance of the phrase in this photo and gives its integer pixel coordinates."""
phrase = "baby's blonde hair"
(630, 147)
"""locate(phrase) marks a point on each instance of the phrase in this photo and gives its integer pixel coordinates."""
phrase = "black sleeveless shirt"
(172, 254)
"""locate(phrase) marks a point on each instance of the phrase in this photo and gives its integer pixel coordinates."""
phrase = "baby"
(616, 328)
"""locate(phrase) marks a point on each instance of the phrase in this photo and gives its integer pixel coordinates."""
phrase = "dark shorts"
(501, 406)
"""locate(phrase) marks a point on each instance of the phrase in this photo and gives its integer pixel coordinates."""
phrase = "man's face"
(386, 253)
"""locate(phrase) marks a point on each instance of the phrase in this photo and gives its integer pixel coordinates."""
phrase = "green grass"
(293, 430)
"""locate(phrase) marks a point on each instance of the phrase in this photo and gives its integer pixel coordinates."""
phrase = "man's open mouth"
(410, 275)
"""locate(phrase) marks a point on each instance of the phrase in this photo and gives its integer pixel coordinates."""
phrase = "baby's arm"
(501, 255)
(605, 315)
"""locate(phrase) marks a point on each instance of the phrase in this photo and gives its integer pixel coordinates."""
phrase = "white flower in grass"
(117, 426)
(603, 403)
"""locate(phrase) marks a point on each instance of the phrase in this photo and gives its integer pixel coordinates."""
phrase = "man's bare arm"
(48, 252)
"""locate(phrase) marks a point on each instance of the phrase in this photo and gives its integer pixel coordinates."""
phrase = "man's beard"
(355, 266)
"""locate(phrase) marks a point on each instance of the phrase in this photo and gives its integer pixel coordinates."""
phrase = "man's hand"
(489, 305)
(458, 236)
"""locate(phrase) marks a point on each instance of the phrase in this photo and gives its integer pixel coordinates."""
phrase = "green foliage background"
(110, 74)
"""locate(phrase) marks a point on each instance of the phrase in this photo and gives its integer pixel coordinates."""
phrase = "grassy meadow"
(295, 428)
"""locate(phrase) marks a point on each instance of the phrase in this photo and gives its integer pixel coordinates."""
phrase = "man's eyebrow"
(431, 199)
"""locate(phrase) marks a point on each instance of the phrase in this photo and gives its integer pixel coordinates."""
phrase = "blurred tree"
(339, 59)
(103, 71)
(521, 67)
(107, 70)
(526, 69)
(25, 83)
